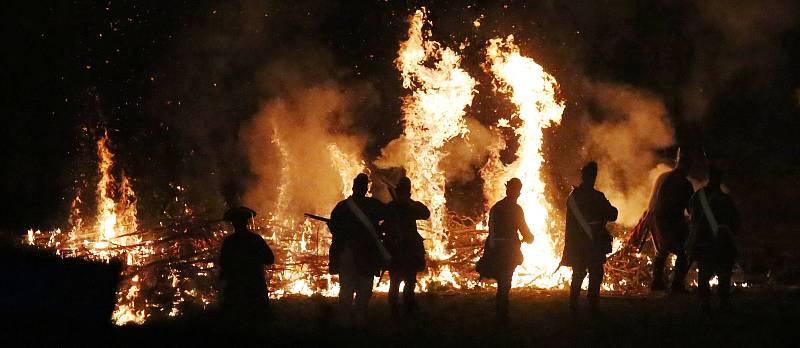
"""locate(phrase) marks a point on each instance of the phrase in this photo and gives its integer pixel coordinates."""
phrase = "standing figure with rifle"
(714, 223)
(501, 252)
(668, 223)
(587, 241)
(406, 245)
(357, 254)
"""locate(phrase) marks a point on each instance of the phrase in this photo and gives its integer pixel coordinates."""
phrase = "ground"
(759, 317)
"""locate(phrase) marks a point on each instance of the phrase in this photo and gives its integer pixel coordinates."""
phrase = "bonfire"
(170, 268)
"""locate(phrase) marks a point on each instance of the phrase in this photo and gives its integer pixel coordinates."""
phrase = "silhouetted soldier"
(670, 199)
(501, 253)
(408, 251)
(242, 260)
(713, 225)
(587, 241)
(357, 254)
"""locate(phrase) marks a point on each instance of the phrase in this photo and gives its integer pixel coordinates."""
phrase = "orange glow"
(533, 91)
(433, 114)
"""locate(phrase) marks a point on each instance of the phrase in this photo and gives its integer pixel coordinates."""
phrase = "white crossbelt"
(712, 220)
(365, 221)
(579, 216)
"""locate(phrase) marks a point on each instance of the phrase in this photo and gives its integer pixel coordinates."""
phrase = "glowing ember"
(533, 91)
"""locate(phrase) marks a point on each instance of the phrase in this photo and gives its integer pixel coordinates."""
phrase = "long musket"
(392, 192)
(317, 217)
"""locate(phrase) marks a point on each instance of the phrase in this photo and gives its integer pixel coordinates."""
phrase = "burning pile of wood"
(629, 271)
(177, 273)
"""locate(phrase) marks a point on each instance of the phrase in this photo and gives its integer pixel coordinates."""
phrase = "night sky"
(173, 82)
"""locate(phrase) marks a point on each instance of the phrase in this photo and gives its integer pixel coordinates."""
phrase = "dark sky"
(160, 75)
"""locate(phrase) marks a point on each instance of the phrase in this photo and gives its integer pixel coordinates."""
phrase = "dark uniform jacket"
(501, 252)
(406, 245)
(702, 242)
(350, 233)
(670, 199)
(579, 249)
(242, 260)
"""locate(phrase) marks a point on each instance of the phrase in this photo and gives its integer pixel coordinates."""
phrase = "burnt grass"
(758, 317)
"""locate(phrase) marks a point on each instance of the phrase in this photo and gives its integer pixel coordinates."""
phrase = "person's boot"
(678, 289)
(658, 285)
(394, 311)
(394, 304)
(573, 308)
(410, 307)
(502, 318)
(502, 311)
(593, 306)
(705, 307)
(360, 319)
(725, 306)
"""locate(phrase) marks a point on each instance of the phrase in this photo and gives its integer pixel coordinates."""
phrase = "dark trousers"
(595, 270)
(410, 281)
(355, 288)
(503, 289)
(247, 312)
(678, 273)
(706, 269)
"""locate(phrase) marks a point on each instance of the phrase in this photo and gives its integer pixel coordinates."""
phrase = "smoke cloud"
(257, 103)
(292, 141)
(624, 145)
(463, 155)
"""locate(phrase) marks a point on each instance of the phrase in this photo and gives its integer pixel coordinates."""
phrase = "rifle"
(317, 217)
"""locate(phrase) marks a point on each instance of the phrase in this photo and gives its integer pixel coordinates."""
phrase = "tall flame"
(116, 201)
(533, 91)
(433, 114)
(282, 201)
(115, 219)
(347, 166)
(111, 237)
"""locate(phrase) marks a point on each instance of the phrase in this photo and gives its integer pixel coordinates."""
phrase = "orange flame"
(533, 91)
(348, 167)
(109, 237)
(433, 114)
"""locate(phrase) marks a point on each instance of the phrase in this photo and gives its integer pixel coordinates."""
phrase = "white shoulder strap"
(712, 220)
(579, 216)
(365, 221)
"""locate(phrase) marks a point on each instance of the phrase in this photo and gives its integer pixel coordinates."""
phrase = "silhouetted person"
(356, 254)
(501, 253)
(242, 260)
(408, 251)
(713, 225)
(587, 240)
(668, 203)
